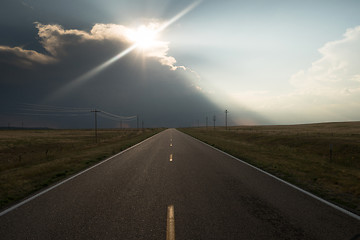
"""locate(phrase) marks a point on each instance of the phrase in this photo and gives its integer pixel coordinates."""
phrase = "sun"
(144, 37)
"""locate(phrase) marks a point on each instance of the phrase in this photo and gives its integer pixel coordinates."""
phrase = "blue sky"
(267, 62)
(253, 48)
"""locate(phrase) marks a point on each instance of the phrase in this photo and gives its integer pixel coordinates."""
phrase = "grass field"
(33, 159)
(321, 158)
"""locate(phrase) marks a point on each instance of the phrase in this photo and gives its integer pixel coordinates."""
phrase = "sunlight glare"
(144, 37)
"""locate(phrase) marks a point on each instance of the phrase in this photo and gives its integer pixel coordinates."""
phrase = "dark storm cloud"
(150, 85)
(23, 58)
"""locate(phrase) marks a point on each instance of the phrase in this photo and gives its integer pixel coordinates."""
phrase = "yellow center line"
(170, 223)
(170, 144)
(171, 157)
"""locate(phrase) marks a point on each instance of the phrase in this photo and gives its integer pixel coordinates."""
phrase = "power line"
(117, 116)
(49, 108)
(58, 111)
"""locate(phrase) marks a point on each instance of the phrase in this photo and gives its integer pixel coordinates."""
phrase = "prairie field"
(321, 158)
(33, 159)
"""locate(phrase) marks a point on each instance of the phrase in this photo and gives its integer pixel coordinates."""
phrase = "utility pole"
(206, 122)
(226, 112)
(137, 122)
(95, 113)
(142, 125)
(214, 119)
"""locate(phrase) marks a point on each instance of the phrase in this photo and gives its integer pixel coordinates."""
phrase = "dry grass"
(299, 154)
(33, 159)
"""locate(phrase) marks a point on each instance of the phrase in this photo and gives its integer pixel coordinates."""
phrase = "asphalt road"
(212, 196)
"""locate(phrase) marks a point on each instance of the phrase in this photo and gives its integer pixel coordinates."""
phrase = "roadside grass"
(33, 159)
(321, 158)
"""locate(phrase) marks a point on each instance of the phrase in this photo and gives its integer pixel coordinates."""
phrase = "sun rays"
(143, 38)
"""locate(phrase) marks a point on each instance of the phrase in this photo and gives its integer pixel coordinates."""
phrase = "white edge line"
(70, 178)
(357, 217)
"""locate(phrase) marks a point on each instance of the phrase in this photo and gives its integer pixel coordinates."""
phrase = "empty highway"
(173, 186)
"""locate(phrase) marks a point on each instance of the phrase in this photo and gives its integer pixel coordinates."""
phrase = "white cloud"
(329, 90)
(159, 51)
(337, 70)
(332, 83)
(55, 39)
(109, 31)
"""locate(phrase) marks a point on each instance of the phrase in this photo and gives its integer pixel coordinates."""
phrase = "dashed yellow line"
(170, 223)
(171, 157)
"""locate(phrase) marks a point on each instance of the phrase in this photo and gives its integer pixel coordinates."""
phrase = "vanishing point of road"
(173, 186)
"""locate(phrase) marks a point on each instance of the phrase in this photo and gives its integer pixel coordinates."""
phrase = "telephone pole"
(95, 113)
(226, 112)
(137, 122)
(214, 119)
(206, 122)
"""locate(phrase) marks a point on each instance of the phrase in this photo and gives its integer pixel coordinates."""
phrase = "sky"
(167, 63)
